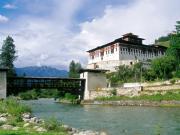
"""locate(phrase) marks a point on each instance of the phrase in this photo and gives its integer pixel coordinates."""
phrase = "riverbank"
(114, 120)
(17, 119)
(134, 103)
(159, 99)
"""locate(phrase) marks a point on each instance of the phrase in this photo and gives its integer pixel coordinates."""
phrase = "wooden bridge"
(64, 85)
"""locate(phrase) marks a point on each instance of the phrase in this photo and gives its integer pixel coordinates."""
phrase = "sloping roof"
(121, 40)
(132, 35)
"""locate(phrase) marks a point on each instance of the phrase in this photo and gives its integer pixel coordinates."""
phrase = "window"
(97, 66)
(112, 50)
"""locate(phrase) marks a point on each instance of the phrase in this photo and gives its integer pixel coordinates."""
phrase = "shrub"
(32, 94)
(172, 81)
(14, 107)
(39, 93)
(177, 73)
(114, 92)
(70, 96)
(52, 124)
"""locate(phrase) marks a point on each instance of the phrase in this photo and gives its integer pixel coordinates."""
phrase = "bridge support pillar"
(3, 83)
(95, 79)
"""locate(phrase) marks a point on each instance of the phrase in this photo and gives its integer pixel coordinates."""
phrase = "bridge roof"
(58, 78)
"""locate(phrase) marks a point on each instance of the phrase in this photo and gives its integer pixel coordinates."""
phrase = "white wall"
(94, 81)
(108, 56)
(121, 56)
(3, 84)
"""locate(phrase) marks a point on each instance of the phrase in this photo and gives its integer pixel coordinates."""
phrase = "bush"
(177, 73)
(14, 107)
(70, 96)
(114, 92)
(28, 95)
(39, 93)
(52, 124)
(172, 81)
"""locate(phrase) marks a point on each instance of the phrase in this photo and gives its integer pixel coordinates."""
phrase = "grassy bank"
(13, 107)
(52, 93)
(24, 132)
(39, 93)
(11, 110)
(157, 97)
(69, 98)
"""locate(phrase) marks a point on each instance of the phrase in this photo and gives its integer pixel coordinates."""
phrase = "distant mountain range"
(43, 71)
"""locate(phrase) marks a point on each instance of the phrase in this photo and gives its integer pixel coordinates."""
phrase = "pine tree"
(74, 69)
(8, 56)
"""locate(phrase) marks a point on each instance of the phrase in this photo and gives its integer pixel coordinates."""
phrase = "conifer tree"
(8, 55)
(74, 69)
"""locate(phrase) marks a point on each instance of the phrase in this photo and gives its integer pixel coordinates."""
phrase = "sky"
(54, 32)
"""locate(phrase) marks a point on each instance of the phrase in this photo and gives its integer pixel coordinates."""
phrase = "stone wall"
(120, 91)
(133, 91)
(134, 103)
(99, 93)
(162, 87)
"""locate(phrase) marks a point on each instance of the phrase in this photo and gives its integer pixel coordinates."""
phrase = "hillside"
(43, 71)
(164, 43)
(163, 40)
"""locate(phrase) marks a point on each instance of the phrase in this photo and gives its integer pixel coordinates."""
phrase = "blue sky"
(53, 32)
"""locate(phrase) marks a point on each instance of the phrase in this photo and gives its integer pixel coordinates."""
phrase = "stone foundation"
(133, 91)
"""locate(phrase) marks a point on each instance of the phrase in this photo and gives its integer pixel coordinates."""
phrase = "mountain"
(43, 71)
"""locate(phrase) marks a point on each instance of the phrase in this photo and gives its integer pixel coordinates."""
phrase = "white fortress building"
(126, 50)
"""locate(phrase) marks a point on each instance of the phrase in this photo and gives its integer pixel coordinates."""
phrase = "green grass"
(39, 93)
(13, 106)
(23, 132)
(69, 98)
(157, 97)
(53, 125)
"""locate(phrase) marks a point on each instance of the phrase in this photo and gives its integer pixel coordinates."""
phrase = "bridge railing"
(18, 84)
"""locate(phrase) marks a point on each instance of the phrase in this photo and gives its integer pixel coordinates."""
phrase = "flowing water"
(115, 120)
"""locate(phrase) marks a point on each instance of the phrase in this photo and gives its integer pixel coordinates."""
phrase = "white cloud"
(3, 19)
(9, 6)
(46, 41)
(50, 41)
(147, 18)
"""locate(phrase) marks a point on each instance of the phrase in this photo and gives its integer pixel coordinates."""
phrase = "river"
(115, 120)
